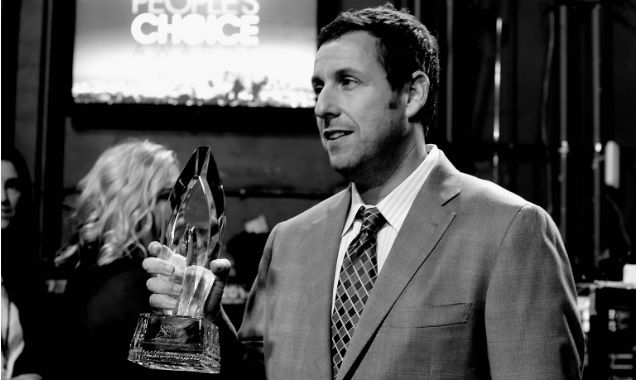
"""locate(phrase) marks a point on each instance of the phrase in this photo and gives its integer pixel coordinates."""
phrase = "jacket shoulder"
(481, 200)
(316, 212)
(490, 194)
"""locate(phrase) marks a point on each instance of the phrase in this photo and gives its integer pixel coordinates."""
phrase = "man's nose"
(327, 104)
(4, 195)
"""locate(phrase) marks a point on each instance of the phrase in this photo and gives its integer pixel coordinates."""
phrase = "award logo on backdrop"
(195, 22)
(245, 53)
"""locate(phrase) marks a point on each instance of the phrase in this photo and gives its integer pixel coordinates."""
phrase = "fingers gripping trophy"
(181, 339)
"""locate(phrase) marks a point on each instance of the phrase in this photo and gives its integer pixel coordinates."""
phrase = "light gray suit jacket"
(477, 286)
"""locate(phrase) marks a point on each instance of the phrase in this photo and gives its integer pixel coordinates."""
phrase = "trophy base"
(176, 343)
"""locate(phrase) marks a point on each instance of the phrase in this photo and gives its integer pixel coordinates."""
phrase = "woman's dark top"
(104, 303)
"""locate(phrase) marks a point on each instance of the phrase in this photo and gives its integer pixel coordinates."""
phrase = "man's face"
(361, 121)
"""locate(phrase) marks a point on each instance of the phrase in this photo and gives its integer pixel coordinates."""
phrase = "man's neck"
(376, 192)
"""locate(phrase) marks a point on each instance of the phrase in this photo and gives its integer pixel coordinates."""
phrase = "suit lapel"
(323, 239)
(424, 225)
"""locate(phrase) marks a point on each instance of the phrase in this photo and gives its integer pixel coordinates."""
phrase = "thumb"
(221, 269)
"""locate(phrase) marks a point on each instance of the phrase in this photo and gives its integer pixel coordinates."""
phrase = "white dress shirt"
(394, 207)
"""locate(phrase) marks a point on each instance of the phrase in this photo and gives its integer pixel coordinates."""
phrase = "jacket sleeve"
(245, 357)
(532, 324)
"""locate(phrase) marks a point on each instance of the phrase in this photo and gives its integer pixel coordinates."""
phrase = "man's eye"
(348, 82)
(317, 89)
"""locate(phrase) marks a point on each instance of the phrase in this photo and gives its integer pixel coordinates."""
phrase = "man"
(454, 278)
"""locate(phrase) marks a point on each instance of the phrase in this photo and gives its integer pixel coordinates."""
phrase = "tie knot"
(372, 219)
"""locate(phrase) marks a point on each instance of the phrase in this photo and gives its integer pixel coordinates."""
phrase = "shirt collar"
(356, 202)
(393, 217)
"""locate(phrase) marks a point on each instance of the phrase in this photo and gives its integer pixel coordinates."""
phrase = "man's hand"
(166, 284)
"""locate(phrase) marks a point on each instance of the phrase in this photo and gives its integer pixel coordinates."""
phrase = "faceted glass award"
(181, 339)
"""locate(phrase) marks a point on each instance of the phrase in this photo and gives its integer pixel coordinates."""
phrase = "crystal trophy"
(181, 339)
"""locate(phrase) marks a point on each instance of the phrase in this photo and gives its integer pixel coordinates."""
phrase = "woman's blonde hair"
(118, 197)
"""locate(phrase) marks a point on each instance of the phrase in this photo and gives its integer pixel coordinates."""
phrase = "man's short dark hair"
(404, 46)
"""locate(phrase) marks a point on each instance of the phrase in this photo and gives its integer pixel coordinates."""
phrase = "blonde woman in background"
(121, 208)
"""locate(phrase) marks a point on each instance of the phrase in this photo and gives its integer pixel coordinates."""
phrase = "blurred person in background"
(22, 282)
(123, 205)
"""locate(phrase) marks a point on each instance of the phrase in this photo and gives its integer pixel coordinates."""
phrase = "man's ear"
(417, 94)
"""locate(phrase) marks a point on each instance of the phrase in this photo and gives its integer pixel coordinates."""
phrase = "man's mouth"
(334, 135)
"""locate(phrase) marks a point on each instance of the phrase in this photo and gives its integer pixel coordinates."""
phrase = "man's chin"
(341, 168)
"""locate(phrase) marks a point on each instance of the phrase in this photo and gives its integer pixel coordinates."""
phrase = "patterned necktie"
(357, 275)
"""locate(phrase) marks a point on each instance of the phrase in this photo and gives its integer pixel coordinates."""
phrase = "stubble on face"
(377, 160)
